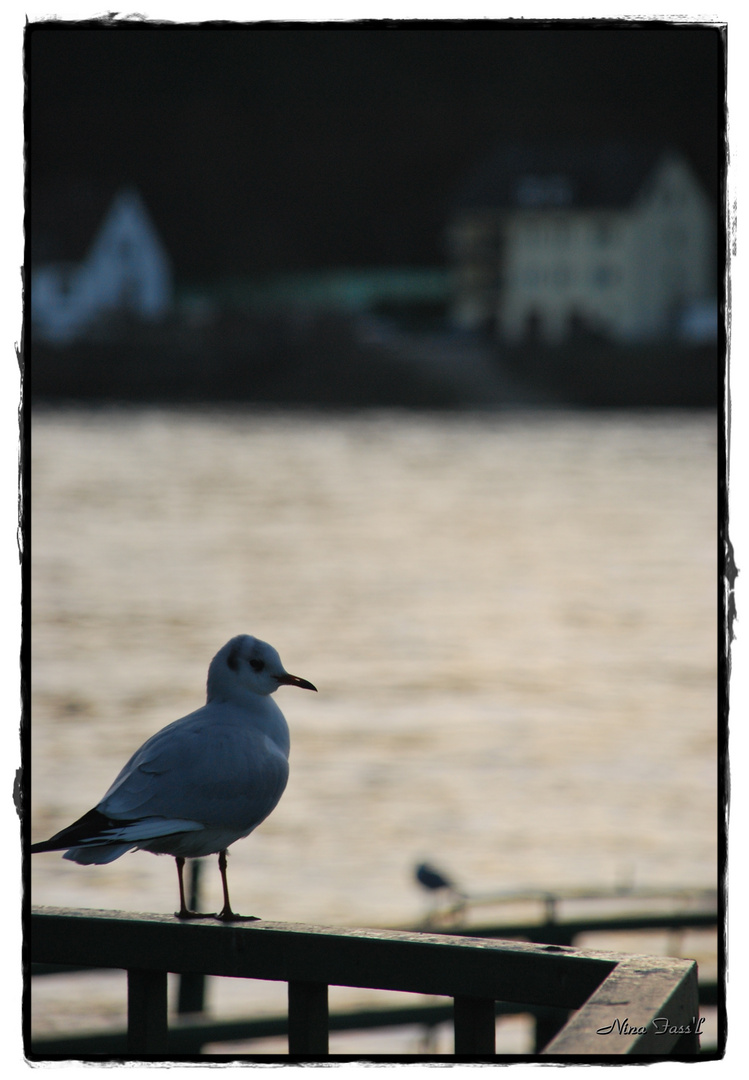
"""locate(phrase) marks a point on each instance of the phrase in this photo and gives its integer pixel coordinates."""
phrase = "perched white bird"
(203, 781)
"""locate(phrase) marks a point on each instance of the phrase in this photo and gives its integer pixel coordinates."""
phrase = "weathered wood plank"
(308, 1018)
(640, 1004)
(191, 1036)
(147, 1030)
(475, 1025)
(438, 964)
(638, 1009)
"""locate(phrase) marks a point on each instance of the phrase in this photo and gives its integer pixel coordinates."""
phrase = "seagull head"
(250, 664)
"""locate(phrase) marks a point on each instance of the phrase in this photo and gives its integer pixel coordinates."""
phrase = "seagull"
(202, 782)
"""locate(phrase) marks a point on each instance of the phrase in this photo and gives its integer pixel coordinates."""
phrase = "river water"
(510, 618)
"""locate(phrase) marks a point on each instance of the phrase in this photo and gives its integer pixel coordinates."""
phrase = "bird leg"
(226, 913)
(184, 911)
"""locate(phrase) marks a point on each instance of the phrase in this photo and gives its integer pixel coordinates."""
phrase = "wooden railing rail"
(189, 1035)
(650, 1003)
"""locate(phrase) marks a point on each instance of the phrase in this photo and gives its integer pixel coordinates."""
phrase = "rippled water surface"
(511, 621)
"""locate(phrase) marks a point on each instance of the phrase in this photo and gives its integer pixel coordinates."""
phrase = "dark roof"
(607, 174)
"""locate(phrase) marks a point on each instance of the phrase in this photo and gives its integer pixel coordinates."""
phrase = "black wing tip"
(44, 845)
(86, 828)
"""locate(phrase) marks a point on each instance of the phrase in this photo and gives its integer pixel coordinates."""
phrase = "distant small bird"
(433, 879)
(439, 885)
(202, 782)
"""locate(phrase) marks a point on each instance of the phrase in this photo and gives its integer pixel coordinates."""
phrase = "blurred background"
(375, 216)
(399, 348)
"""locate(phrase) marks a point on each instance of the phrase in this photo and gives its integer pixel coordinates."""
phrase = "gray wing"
(220, 774)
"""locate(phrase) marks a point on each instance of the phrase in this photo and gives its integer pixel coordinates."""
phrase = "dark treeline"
(260, 149)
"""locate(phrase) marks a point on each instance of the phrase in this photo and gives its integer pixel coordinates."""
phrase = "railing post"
(619, 1004)
(308, 1018)
(549, 1022)
(147, 1029)
(689, 1043)
(475, 1025)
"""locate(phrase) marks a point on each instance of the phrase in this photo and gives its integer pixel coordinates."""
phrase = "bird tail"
(87, 831)
(96, 838)
(86, 828)
(93, 853)
(98, 853)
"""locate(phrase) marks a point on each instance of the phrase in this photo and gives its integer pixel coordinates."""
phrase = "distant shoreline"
(325, 362)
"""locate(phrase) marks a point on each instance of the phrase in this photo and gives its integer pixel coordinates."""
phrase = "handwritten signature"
(661, 1026)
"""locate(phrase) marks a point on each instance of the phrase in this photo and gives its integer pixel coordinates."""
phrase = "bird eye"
(257, 665)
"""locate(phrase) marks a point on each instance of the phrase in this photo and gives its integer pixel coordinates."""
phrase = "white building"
(550, 242)
(125, 269)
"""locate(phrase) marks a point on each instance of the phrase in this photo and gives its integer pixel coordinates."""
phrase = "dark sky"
(274, 148)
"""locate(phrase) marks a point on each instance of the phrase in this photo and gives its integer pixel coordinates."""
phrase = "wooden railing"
(624, 1004)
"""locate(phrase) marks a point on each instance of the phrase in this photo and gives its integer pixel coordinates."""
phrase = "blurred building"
(125, 269)
(606, 241)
